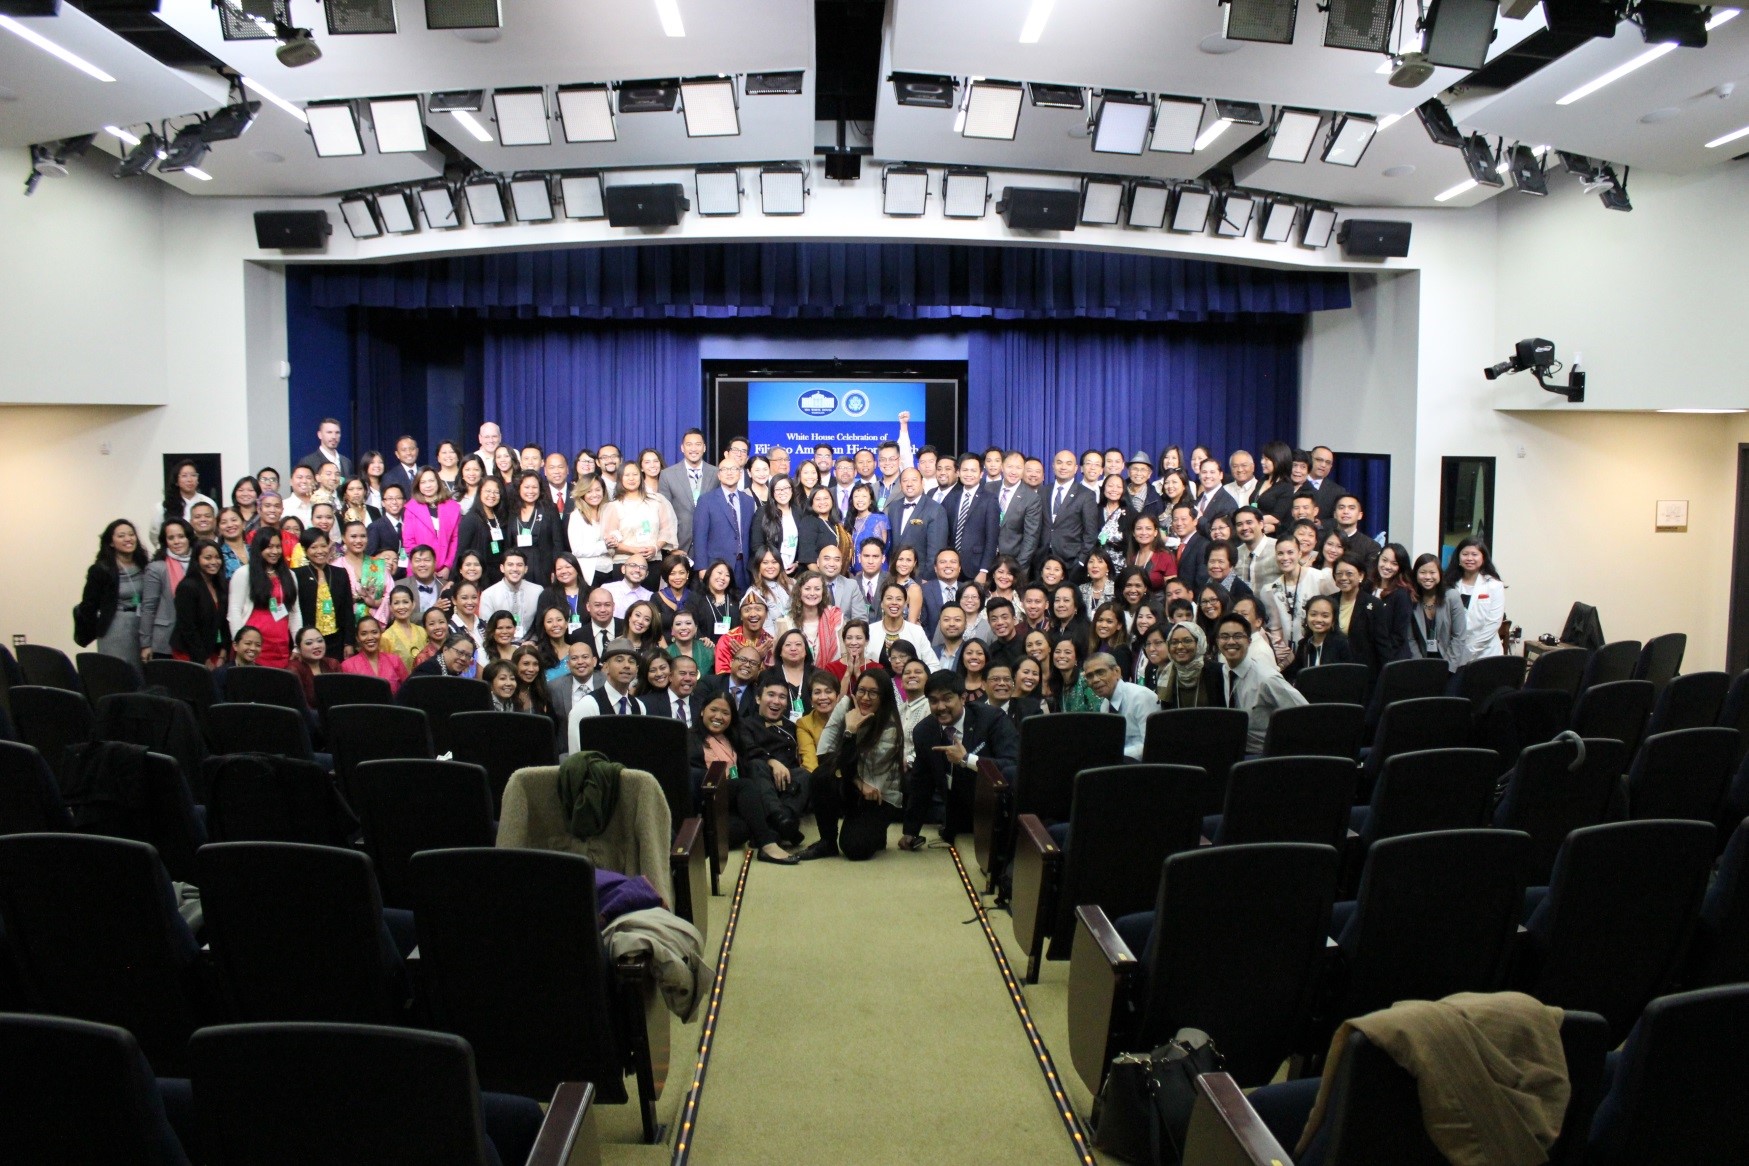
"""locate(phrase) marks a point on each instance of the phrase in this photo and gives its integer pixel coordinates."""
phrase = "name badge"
(723, 626)
(524, 539)
(497, 533)
(276, 609)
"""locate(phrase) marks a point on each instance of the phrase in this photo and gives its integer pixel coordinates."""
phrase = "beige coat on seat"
(637, 838)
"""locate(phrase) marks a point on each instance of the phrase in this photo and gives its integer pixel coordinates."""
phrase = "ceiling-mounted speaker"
(1031, 208)
(1581, 18)
(291, 230)
(29, 7)
(1412, 72)
(656, 205)
(1373, 239)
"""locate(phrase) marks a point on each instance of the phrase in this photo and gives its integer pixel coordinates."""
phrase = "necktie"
(735, 516)
(1057, 501)
(680, 710)
(1228, 677)
(600, 642)
(625, 707)
(1007, 493)
(692, 476)
(959, 528)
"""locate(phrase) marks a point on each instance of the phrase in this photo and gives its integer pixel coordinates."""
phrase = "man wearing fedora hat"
(1141, 495)
(619, 670)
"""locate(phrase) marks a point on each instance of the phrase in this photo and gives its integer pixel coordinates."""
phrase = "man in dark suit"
(555, 474)
(1213, 501)
(949, 744)
(1193, 547)
(916, 522)
(580, 682)
(1329, 490)
(385, 533)
(740, 682)
(722, 525)
(1019, 513)
(972, 520)
(686, 482)
(681, 700)
(1069, 522)
(1345, 521)
(601, 629)
(405, 467)
(942, 589)
(327, 449)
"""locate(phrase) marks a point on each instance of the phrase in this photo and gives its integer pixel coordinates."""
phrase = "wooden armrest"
(567, 1134)
(686, 838)
(1112, 948)
(987, 770)
(1226, 1131)
(716, 776)
(1030, 831)
(1101, 972)
(1038, 867)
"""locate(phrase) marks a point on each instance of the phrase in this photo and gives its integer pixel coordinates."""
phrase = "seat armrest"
(716, 776)
(1038, 872)
(987, 770)
(1226, 1131)
(1112, 949)
(686, 839)
(567, 1134)
(1030, 831)
(1101, 1016)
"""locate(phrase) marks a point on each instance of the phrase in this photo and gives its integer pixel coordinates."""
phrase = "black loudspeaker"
(1374, 239)
(658, 205)
(844, 167)
(31, 7)
(1031, 208)
(292, 230)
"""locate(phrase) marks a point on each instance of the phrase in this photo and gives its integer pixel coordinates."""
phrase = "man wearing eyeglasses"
(1244, 684)
(1132, 702)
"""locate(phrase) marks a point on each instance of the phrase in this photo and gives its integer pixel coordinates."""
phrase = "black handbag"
(1143, 1110)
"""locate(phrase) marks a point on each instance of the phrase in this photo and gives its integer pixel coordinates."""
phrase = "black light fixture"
(1615, 195)
(772, 84)
(929, 90)
(456, 101)
(1436, 120)
(185, 150)
(648, 96)
(1527, 171)
(1663, 22)
(140, 158)
(1057, 96)
(347, 17)
(461, 14)
(1265, 21)
(1581, 167)
(1479, 157)
(230, 122)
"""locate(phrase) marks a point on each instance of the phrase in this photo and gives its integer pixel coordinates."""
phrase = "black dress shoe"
(786, 860)
(818, 850)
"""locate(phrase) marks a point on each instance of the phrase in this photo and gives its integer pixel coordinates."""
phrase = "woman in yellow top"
(403, 637)
(822, 699)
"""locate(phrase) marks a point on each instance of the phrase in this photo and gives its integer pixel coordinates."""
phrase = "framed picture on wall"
(1672, 514)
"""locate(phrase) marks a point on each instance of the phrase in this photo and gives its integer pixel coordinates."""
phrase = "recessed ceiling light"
(1036, 16)
(1660, 115)
(1176, 123)
(121, 134)
(709, 106)
(1466, 185)
(668, 12)
(273, 98)
(1400, 171)
(1218, 45)
(52, 49)
(1730, 137)
(1215, 130)
(472, 124)
(1704, 411)
(271, 157)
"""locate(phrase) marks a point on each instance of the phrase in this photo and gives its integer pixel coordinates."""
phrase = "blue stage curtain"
(568, 386)
(1226, 386)
(849, 281)
(1368, 477)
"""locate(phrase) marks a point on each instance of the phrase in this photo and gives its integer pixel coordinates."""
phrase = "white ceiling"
(1122, 44)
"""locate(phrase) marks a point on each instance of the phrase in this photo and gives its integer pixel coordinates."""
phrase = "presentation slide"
(845, 414)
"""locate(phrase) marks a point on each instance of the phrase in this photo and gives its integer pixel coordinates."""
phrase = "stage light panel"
(655, 96)
(1233, 215)
(486, 202)
(334, 129)
(1318, 224)
(1148, 202)
(924, 89)
(1058, 96)
(1190, 209)
(1266, 21)
(783, 190)
(531, 197)
(1295, 131)
(581, 194)
(904, 191)
(718, 189)
(1177, 123)
(1101, 202)
(993, 110)
(400, 127)
(521, 115)
(395, 211)
(709, 106)
(438, 202)
(586, 113)
(360, 217)
(965, 194)
(1277, 221)
(1121, 124)
(1350, 135)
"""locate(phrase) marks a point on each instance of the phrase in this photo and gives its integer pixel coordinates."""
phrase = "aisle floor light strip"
(54, 50)
(1071, 1121)
(713, 1011)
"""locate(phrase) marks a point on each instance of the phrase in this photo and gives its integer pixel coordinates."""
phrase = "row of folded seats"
(1266, 900)
(172, 869)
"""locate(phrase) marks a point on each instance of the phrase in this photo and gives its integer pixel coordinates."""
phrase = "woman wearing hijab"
(1185, 683)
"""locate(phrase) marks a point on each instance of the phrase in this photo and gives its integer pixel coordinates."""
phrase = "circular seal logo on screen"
(817, 402)
(856, 403)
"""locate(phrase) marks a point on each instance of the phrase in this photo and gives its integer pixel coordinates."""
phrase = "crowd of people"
(851, 632)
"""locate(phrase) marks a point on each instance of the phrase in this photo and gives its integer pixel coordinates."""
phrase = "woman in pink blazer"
(431, 519)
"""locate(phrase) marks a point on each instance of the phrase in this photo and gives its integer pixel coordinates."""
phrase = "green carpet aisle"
(864, 1021)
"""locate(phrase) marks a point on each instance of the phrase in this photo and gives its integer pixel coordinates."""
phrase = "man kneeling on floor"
(948, 746)
(772, 787)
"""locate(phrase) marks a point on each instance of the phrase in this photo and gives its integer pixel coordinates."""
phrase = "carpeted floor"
(864, 1021)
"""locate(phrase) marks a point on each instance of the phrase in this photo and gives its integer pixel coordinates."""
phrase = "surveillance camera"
(1537, 356)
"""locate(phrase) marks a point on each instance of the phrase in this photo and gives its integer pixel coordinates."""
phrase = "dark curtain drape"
(1226, 386)
(830, 281)
(567, 386)
(1368, 477)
